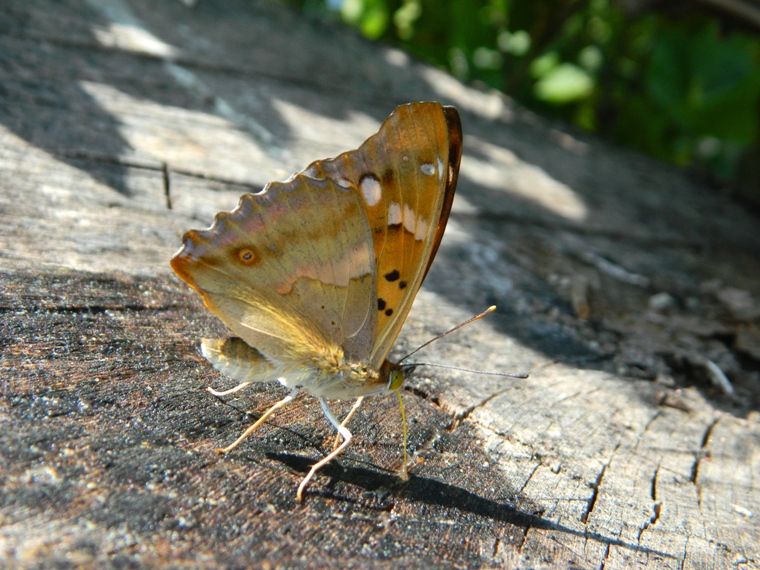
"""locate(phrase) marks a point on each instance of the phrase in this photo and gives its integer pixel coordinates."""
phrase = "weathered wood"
(618, 280)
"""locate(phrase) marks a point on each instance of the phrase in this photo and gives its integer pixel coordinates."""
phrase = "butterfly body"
(326, 373)
(315, 275)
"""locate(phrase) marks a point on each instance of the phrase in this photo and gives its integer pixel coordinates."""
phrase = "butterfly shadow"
(432, 492)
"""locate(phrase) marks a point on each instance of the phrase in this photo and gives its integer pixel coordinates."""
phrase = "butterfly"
(315, 275)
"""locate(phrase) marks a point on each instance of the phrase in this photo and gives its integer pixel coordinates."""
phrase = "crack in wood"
(656, 507)
(106, 158)
(605, 558)
(592, 501)
(685, 550)
(459, 417)
(524, 538)
(535, 468)
(422, 394)
(656, 415)
(703, 448)
(154, 166)
(89, 310)
(595, 495)
(167, 187)
(709, 430)
(657, 511)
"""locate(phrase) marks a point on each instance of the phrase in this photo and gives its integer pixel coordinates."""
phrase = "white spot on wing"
(343, 182)
(427, 169)
(371, 190)
(413, 224)
(410, 220)
(421, 229)
(394, 214)
(440, 168)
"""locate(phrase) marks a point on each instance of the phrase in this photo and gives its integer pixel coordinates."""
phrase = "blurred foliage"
(677, 89)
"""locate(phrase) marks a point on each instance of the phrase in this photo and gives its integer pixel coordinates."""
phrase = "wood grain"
(618, 281)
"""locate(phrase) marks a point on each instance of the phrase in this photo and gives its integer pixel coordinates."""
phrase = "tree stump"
(630, 293)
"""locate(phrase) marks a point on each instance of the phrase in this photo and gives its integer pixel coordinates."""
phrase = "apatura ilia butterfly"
(316, 275)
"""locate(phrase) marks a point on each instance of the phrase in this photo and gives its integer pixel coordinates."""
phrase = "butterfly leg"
(347, 419)
(342, 431)
(230, 391)
(287, 399)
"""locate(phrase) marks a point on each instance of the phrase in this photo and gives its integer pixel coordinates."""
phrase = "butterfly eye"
(396, 379)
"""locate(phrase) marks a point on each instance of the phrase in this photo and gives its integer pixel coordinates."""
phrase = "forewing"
(405, 175)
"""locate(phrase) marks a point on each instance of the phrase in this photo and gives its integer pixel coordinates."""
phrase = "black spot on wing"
(368, 176)
(380, 304)
(392, 276)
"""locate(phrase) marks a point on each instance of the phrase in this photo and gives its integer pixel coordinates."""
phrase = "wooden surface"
(624, 288)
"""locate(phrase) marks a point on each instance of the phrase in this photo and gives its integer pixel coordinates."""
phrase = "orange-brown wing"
(290, 270)
(406, 175)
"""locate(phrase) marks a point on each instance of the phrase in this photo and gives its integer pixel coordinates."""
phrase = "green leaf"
(564, 84)
(705, 84)
(542, 65)
(370, 16)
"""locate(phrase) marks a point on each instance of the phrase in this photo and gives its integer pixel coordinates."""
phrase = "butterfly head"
(396, 373)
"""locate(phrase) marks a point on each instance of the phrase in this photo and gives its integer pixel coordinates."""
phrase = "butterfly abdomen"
(234, 358)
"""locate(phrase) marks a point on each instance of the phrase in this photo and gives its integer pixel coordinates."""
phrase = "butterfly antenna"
(481, 372)
(488, 311)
